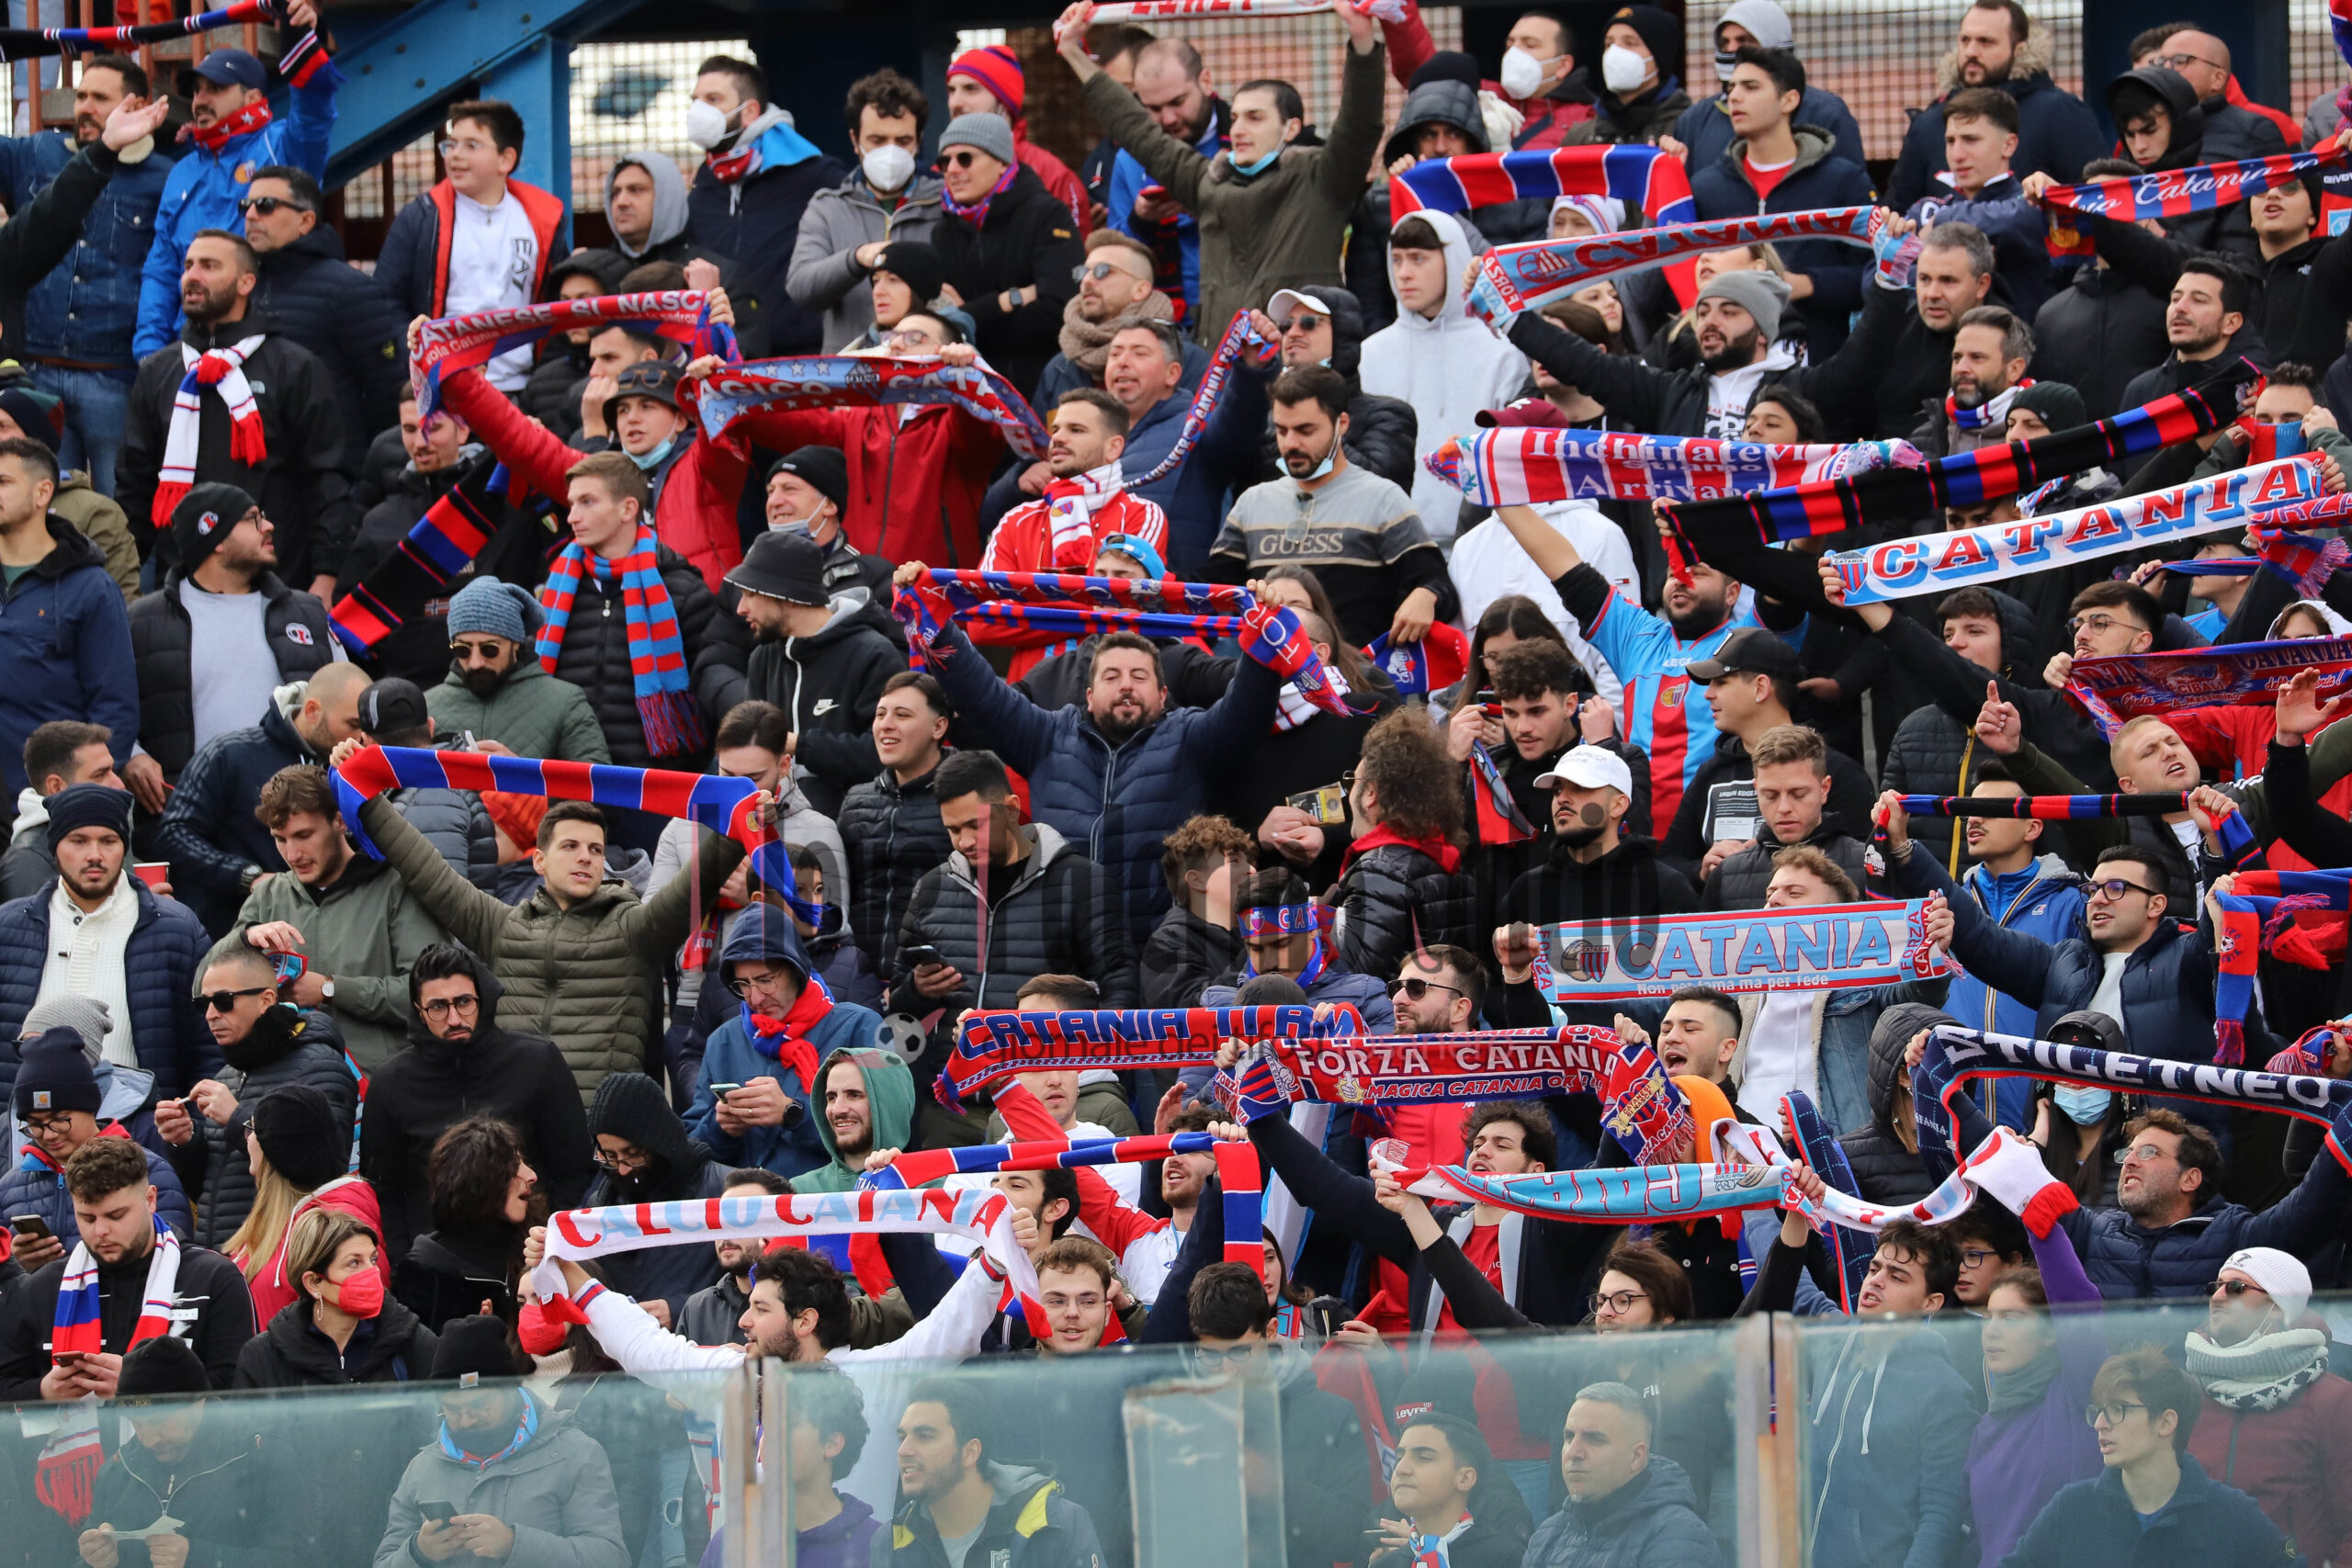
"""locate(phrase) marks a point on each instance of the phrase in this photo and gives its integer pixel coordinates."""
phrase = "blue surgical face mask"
(1324, 467)
(2084, 1107)
(1259, 168)
(649, 461)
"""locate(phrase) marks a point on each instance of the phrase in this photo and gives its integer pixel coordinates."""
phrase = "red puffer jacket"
(2296, 1461)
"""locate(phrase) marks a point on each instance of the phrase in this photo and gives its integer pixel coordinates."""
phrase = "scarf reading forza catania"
(1828, 947)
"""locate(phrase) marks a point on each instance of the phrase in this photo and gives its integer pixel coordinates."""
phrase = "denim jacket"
(85, 310)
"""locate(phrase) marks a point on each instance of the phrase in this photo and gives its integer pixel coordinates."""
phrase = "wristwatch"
(251, 874)
(326, 990)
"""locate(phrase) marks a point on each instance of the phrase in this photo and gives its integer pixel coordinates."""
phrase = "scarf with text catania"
(2170, 193)
(975, 1215)
(1529, 466)
(993, 1046)
(872, 381)
(2125, 685)
(1512, 280)
(436, 553)
(69, 1463)
(2302, 563)
(1636, 173)
(712, 801)
(1955, 1057)
(2255, 914)
(666, 704)
(1719, 532)
(2286, 494)
(1821, 947)
(472, 340)
(224, 370)
(1237, 1168)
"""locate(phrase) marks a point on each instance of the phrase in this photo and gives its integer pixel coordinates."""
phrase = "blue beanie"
(499, 609)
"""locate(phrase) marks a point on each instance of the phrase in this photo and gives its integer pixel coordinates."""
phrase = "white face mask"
(1522, 74)
(1621, 70)
(706, 124)
(888, 166)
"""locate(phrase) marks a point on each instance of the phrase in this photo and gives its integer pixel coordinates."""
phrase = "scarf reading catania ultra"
(434, 554)
(666, 704)
(1955, 1057)
(1510, 280)
(872, 381)
(1636, 173)
(471, 342)
(2123, 686)
(713, 801)
(993, 1046)
(2170, 193)
(224, 370)
(1529, 466)
(69, 1463)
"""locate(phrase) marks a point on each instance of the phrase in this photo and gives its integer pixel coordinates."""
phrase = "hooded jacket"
(588, 976)
(1933, 752)
(759, 217)
(890, 1099)
(733, 1056)
(672, 238)
(294, 628)
(1822, 177)
(1705, 126)
(159, 965)
(2227, 228)
(2057, 132)
(286, 1047)
(1886, 1171)
(531, 713)
(827, 684)
(1395, 899)
(892, 836)
(824, 274)
(1185, 956)
(66, 653)
(1888, 1427)
(2095, 1523)
(364, 930)
(432, 1085)
(636, 1109)
(1030, 1525)
(1382, 432)
(303, 483)
(350, 320)
(1652, 1521)
(1027, 240)
(1447, 369)
(556, 1494)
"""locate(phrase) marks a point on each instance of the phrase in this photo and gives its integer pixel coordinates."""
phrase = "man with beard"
(1117, 774)
(1990, 349)
(713, 1315)
(866, 1101)
(1651, 654)
(644, 1155)
(1439, 991)
(1999, 46)
(2274, 1422)
(814, 657)
(497, 692)
(1176, 88)
(2204, 317)
(1017, 1515)
(260, 412)
(460, 1062)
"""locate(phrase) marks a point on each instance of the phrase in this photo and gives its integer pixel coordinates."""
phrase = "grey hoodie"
(669, 198)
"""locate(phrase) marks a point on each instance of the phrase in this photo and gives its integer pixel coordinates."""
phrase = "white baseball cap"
(1588, 767)
(1286, 298)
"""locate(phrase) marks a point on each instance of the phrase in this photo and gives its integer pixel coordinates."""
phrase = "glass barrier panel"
(615, 1469)
(1966, 1436)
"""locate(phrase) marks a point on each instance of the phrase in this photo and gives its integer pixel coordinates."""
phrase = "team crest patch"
(298, 633)
(205, 523)
(244, 172)
(1672, 696)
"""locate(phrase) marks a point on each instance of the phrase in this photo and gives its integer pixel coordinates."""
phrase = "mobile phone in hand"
(31, 1228)
(439, 1513)
(922, 954)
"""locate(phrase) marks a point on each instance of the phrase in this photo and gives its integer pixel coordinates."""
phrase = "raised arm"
(1630, 390)
(1355, 134)
(1347, 1200)
(465, 911)
(662, 922)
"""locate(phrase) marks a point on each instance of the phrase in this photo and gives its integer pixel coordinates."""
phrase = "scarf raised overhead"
(1633, 172)
(872, 381)
(436, 553)
(993, 1046)
(27, 44)
(224, 370)
(2258, 908)
(1240, 338)
(2124, 686)
(1176, 10)
(1831, 947)
(666, 704)
(471, 342)
(2172, 193)
(2302, 563)
(1529, 466)
(1510, 280)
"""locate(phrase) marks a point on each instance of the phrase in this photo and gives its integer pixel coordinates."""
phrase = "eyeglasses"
(2115, 887)
(2145, 1154)
(46, 1126)
(2233, 1288)
(222, 1002)
(2179, 62)
(741, 985)
(622, 1164)
(1098, 271)
(1302, 322)
(443, 1007)
(913, 337)
(1208, 1359)
(2099, 625)
(963, 158)
(2117, 1413)
(1414, 988)
(1619, 1302)
(266, 205)
(1348, 782)
(471, 144)
(1976, 1257)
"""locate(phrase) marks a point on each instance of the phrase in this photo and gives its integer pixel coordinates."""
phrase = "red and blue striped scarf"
(2172, 193)
(2238, 845)
(438, 551)
(1240, 337)
(2125, 685)
(69, 1463)
(993, 1046)
(657, 653)
(2302, 563)
(976, 214)
(2256, 910)
(1510, 280)
(1636, 173)
(27, 44)
(1529, 466)
(824, 381)
(472, 340)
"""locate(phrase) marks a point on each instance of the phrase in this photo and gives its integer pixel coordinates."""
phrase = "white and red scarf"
(1071, 506)
(70, 1461)
(222, 369)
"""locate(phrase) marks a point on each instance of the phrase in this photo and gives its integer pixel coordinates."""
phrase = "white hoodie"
(1448, 370)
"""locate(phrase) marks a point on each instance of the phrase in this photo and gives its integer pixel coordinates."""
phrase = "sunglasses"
(2233, 1288)
(222, 1002)
(1098, 271)
(962, 158)
(266, 205)
(1302, 322)
(1413, 988)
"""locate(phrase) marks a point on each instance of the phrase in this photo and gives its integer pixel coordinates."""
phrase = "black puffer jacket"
(632, 1107)
(1381, 431)
(332, 1480)
(1185, 956)
(1739, 883)
(1933, 752)
(827, 685)
(892, 835)
(285, 1047)
(1886, 1171)
(294, 625)
(595, 657)
(348, 319)
(1394, 899)
(209, 832)
(1061, 916)
(1027, 240)
(2098, 335)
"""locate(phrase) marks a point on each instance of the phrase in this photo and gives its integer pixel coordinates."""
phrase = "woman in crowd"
(485, 1199)
(300, 1160)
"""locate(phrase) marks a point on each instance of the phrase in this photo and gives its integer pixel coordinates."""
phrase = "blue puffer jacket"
(204, 188)
(159, 965)
(764, 931)
(84, 310)
(1117, 802)
(64, 651)
(35, 1186)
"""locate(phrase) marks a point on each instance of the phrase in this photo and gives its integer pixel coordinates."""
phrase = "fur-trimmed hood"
(2034, 58)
